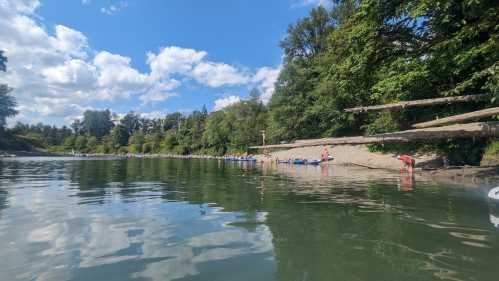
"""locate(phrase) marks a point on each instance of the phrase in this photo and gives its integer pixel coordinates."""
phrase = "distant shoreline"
(462, 174)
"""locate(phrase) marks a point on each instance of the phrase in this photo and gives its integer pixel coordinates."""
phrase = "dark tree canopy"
(7, 102)
(308, 36)
(97, 123)
(3, 61)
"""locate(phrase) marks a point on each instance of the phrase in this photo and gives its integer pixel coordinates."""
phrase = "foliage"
(491, 154)
(7, 102)
(136, 142)
(377, 52)
(356, 53)
(96, 123)
(120, 135)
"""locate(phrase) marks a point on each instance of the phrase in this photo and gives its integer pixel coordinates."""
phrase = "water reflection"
(152, 219)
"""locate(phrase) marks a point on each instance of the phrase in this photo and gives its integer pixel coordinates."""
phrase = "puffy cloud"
(266, 77)
(173, 60)
(191, 63)
(160, 92)
(62, 75)
(20, 6)
(224, 102)
(152, 97)
(57, 107)
(115, 72)
(218, 74)
(74, 72)
(70, 41)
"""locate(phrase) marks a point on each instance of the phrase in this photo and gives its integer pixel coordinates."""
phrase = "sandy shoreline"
(427, 165)
(353, 155)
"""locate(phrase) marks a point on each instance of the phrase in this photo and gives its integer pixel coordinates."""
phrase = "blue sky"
(153, 57)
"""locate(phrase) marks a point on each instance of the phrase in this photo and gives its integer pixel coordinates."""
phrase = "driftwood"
(414, 103)
(471, 130)
(459, 118)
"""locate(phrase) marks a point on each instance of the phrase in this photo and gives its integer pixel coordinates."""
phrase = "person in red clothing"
(408, 163)
(325, 155)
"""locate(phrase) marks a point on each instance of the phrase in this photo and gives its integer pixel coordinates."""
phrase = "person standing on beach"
(325, 154)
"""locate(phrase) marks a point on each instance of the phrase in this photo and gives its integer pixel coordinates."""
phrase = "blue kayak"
(314, 162)
(299, 162)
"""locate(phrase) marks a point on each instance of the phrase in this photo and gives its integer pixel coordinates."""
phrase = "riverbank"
(357, 155)
(33, 153)
(427, 165)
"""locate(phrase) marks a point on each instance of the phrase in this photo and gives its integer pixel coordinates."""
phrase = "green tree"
(132, 122)
(120, 135)
(216, 137)
(92, 143)
(7, 102)
(81, 143)
(136, 142)
(97, 123)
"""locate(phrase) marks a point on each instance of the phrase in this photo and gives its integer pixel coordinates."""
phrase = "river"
(164, 219)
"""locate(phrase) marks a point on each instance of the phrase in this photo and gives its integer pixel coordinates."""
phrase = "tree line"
(231, 130)
(357, 52)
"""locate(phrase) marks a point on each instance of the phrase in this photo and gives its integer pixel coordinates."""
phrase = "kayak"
(314, 162)
(299, 162)
(283, 161)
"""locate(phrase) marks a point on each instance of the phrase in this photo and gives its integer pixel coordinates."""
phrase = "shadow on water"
(160, 219)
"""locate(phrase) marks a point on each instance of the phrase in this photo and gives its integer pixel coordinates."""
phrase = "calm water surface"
(158, 219)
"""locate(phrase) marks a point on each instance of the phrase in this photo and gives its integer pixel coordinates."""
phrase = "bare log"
(471, 130)
(459, 118)
(415, 103)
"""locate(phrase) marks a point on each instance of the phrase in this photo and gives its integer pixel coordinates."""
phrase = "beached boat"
(300, 162)
(314, 162)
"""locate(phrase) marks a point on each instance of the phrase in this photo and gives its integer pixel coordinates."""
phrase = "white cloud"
(152, 97)
(160, 92)
(57, 75)
(224, 102)
(265, 78)
(173, 60)
(74, 72)
(20, 6)
(114, 8)
(218, 74)
(313, 2)
(115, 73)
(70, 41)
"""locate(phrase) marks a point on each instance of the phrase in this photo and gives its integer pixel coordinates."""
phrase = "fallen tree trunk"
(459, 118)
(414, 103)
(471, 130)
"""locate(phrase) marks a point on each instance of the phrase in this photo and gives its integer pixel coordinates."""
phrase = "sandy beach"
(352, 155)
